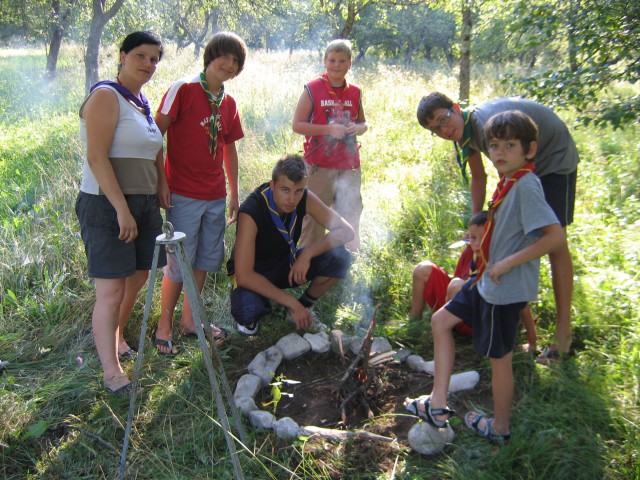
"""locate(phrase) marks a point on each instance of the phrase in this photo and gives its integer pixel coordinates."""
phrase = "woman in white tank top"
(123, 185)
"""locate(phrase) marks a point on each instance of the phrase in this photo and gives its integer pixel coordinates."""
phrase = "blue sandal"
(487, 431)
(430, 413)
(550, 356)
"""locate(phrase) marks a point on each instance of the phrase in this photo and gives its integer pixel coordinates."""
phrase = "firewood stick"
(366, 406)
(383, 357)
(343, 406)
(342, 434)
(351, 368)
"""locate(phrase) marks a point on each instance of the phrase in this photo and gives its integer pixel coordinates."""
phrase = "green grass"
(578, 420)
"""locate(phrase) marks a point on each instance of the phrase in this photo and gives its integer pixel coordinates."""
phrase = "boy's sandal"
(429, 413)
(219, 333)
(123, 391)
(159, 342)
(550, 356)
(130, 354)
(487, 431)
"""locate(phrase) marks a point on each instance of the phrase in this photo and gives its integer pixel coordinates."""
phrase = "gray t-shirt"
(557, 152)
(518, 220)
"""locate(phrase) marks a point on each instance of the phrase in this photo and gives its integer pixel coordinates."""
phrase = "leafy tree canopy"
(603, 52)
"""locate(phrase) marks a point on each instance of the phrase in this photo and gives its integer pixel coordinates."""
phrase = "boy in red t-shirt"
(202, 125)
(432, 286)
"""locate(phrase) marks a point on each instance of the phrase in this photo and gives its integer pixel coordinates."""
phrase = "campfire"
(361, 381)
(354, 388)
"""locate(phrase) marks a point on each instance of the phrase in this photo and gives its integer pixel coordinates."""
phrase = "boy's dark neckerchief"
(287, 233)
(215, 102)
(463, 150)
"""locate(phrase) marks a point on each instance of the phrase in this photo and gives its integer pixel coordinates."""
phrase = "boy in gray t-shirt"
(520, 229)
(556, 166)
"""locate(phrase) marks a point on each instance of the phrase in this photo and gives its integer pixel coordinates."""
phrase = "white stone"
(248, 386)
(429, 440)
(355, 345)
(285, 428)
(319, 342)
(380, 345)
(403, 354)
(347, 340)
(428, 367)
(415, 362)
(246, 405)
(463, 381)
(265, 364)
(261, 419)
(293, 345)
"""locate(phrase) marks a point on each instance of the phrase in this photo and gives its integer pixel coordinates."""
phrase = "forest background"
(577, 420)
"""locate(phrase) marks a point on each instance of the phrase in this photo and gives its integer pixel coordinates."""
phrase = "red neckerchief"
(502, 189)
(327, 84)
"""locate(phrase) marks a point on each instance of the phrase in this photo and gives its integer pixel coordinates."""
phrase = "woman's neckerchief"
(215, 103)
(504, 185)
(462, 150)
(141, 102)
(287, 234)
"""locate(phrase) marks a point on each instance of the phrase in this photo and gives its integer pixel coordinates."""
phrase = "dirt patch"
(316, 400)
(316, 403)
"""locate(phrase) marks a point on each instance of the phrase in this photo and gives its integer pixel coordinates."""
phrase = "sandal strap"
(432, 412)
(442, 411)
(477, 420)
(494, 436)
(159, 342)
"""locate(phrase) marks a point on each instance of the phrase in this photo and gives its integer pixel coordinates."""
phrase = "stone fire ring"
(422, 437)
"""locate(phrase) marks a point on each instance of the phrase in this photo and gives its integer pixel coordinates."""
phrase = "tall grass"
(578, 420)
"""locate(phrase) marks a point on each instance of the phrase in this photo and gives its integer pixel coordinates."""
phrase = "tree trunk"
(465, 52)
(349, 22)
(573, 49)
(98, 21)
(59, 23)
(92, 52)
(54, 50)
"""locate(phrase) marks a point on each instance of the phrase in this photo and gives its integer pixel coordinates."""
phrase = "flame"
(361, 375)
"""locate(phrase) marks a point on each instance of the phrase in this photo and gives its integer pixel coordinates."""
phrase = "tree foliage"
(343, 14)
(602, 50)
(578, 53)
(287, 25)
(409, 32)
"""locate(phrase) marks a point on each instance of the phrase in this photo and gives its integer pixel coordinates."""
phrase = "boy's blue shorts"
(495, 327)
(203, 222)
(247, 306)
